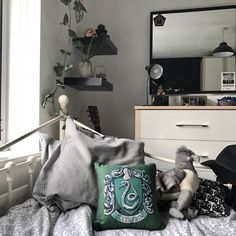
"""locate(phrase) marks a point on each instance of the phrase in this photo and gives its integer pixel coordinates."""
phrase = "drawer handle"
(192, 125)
(197, 158)
(200, 156)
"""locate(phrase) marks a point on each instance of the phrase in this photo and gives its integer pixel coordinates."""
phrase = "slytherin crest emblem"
(127, 195)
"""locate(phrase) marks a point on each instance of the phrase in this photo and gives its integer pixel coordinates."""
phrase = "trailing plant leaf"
(45, 99)
(1, 125)
(59, 68)
(63, 52)
(77, 44)
(79, 10)
(72, 34)
(66, 2)
(68, 67)
(60, 84)
(65, 19)
(78, 6)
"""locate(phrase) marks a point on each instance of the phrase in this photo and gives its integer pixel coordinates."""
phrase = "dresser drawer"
(216, 125)
(168, 148)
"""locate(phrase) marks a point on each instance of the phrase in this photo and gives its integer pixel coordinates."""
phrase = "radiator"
(14, 174)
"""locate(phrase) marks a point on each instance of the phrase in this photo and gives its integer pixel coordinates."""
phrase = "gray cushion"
(68, 178)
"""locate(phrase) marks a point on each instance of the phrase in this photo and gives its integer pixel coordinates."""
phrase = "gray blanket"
(31, 219)
(67, 179)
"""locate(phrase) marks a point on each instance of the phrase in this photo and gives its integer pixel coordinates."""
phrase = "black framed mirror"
(183, 41)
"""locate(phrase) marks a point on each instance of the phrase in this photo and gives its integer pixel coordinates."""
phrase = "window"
(21, 70)
(0, 66)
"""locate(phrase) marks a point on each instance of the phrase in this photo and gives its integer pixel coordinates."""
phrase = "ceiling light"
(223, 50)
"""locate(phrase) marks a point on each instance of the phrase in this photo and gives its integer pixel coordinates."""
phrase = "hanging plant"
(76, 8)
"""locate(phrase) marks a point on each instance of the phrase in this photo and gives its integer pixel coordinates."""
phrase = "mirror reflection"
(183, 43)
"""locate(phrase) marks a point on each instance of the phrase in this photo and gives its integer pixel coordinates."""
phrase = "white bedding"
(32, 219)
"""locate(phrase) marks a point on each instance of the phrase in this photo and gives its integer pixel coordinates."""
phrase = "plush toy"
(180, 184)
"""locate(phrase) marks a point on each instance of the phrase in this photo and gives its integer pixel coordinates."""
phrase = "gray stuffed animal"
(180, 184)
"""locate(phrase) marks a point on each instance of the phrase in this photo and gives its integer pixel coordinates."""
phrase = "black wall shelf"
(100, 46)
(88, 84)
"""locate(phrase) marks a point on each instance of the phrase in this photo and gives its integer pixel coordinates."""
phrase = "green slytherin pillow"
(126, 198)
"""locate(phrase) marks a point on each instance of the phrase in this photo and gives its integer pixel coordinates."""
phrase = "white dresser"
(206, 130)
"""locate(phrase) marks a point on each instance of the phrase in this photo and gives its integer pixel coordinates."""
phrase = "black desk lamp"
(155, 72)
(225, 169)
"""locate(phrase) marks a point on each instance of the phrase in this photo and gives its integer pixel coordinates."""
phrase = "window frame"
(4, 23)
(1, 12)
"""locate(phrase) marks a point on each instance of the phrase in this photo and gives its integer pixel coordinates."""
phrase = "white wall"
(127, 23)
(54, 37)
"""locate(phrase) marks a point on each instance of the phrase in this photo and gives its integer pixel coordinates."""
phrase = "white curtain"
(24, 71)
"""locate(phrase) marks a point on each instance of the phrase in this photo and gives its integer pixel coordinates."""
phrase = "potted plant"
(90, 35)
(85, 65)
(73, 8)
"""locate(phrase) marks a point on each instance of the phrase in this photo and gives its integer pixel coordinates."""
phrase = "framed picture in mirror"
(228, 81)
(193, 100)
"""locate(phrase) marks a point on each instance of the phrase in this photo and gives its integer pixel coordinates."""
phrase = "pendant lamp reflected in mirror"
(223, 50)
(155, 72)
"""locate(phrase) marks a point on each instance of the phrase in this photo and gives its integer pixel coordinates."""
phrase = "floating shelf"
(100, 46)
(88, 84)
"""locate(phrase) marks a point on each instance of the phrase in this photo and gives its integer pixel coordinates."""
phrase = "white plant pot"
(85, 69)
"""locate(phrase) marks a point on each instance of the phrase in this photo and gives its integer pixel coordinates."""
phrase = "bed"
(59, 208)
(31, 218)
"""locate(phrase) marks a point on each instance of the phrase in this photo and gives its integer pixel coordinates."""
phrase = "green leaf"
(72, 34)
(60, 84)
(45, 99)
(65, 19)
(78, 44)
(63, 52)
(68, 67)
(58, 68)
(66, 2)
(78, 6)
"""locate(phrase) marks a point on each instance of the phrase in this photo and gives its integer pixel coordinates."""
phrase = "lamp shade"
(155, 71)
(223, 50)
